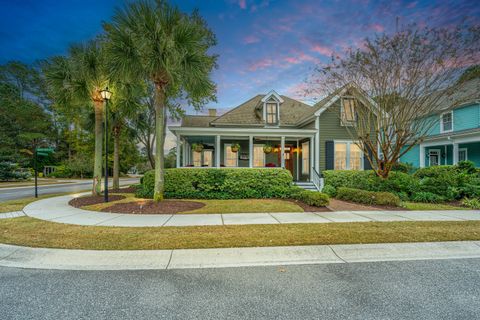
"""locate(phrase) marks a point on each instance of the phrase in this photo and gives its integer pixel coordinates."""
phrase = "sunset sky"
(262, 44)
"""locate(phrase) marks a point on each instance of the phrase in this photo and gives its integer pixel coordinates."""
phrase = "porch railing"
(317, 179)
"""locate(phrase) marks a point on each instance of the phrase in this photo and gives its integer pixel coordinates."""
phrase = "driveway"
(23, 192)
(440, 289)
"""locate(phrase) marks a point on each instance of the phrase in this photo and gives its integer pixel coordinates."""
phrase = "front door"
(288, 154)
(434, 157)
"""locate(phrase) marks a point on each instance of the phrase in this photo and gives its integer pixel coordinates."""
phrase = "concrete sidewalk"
(57, 209)
(40, 258)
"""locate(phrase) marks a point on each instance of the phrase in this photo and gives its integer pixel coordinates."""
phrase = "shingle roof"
(291, 111)
(469, 93)
(197, 121)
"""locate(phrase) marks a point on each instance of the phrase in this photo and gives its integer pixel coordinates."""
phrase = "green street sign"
(42, 154)
(49, 150)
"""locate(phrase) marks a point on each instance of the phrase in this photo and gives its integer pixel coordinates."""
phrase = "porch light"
(106, 94)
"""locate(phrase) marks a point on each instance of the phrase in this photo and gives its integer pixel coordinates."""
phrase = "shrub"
(312, 198)
(467, 166)
(473, 203)
(225, 183)
(427, 197)
(402, 167)
(10, 171)
(368, 197)
(330, 190)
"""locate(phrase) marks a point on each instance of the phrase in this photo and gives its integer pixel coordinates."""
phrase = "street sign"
(49, 150)
(42, 154)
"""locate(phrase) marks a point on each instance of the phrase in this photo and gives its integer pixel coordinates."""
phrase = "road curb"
(65, 259)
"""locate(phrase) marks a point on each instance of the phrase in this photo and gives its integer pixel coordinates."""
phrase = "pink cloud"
(412, 5)
(377, 27)
(261, 64)
(251, 39)
(323, 50)
(300, 57)
(242, 4)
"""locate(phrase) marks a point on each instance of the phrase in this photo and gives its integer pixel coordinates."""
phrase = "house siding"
(412, 156)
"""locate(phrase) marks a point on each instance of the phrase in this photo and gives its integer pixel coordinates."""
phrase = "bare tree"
(408, 77)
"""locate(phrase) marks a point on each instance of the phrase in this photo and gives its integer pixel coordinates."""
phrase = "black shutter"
(329, 155)
(366, 163)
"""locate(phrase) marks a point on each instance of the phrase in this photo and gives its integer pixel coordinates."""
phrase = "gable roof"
(291, 111)
(197, 121)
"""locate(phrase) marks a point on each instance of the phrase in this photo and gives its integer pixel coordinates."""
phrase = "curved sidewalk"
(57, 209)
(42, 258)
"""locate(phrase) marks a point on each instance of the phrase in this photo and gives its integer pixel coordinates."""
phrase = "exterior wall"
(473, 152)
(464, 118)
(330, 129)
(412, 156)
(446, 154)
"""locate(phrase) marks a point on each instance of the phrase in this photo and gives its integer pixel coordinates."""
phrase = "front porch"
(294, 151)
(450, 151)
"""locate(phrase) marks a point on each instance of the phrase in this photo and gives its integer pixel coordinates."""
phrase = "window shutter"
(329, 155)
(366, 163)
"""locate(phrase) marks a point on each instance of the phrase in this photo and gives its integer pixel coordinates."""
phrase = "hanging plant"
(197, 147)
(235, 147)
(267, 148)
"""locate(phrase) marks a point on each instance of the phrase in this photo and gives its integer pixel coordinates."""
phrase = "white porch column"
(282, 150)
(250, 151)
(422, 156)
(312, 157)
(297, 164)
(217, 151)
(178, 150)
(184, 153)
(455, 153)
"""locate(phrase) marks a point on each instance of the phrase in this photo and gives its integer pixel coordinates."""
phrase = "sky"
(262, 44)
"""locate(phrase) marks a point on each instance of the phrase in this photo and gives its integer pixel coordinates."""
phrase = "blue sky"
(262, 44)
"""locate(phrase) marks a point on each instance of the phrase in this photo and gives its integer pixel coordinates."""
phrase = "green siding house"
(275, 131)
(455, 135)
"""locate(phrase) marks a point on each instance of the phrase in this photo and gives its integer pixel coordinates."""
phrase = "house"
(455, 135)
(273, 130)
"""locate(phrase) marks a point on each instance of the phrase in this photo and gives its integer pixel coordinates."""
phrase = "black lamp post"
(106, 95)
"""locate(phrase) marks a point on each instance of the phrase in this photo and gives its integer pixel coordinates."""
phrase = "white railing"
(317, 179)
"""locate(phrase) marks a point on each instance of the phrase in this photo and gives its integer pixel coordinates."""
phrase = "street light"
(106, 95)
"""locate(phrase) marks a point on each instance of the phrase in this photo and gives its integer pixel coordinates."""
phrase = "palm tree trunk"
(160, 141)
(116, 157)
(97, 167)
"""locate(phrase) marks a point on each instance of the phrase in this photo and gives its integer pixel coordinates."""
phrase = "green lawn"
(32, 232)
(430, 206)
(18, 204)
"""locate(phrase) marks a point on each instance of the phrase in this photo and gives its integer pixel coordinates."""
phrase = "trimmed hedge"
(368, 197)
(312, 198)
(224, 183)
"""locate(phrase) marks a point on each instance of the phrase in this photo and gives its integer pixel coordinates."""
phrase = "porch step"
(307, 185)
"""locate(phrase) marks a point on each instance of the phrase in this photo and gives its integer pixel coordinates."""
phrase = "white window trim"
(348, 142)
(263, 156)
(439, 154)
(442, 130)
(306, 169)
(342, 112)
(225, 155)
(466, 153)
(203, 157)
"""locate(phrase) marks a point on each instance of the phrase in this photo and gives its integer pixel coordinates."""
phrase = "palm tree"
(77, 81)
(155, 41)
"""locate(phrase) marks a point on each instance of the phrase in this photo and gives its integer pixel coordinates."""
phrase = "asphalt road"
(441, 289)
(23, 192)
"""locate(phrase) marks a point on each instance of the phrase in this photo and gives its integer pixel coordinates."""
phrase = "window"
(207, 158)
(197, 159)
(348, 156)
(446, 123)
(348, 115)
(434, 157)
(258, 156)
(462, 154)
(306, 158)
(271, 113)
(231, 159)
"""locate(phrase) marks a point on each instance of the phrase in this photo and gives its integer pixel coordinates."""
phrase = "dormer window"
(348, 112)
(271, 112)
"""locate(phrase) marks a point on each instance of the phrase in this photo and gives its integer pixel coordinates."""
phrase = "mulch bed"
(151, 207)
(124, 190)
(308, 208)
(87, 201)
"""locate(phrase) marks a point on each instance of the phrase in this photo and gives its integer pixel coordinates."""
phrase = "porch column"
(282, 154)
(422, 156)
(217, 151)
(312, 157)
(184, 153)
(297, 164)
(178, 150)
(455, 153)
(250, 151)
(316, 149)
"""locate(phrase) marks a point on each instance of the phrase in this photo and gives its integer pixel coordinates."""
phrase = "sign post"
(44, 152)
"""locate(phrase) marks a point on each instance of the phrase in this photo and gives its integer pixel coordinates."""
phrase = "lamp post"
(106, 95)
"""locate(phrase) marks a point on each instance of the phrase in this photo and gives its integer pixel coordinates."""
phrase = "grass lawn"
(18, 204)
(219, 206)
(32, 232)
(41, 182)
(430, 206)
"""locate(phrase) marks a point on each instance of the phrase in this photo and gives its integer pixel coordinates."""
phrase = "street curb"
(65, 259)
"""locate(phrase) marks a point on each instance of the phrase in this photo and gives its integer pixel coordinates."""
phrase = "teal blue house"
(454, 137)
